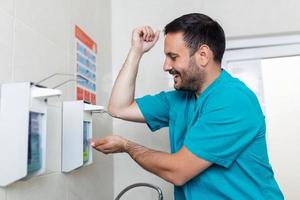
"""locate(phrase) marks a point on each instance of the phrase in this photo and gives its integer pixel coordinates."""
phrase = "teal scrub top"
(225, 126)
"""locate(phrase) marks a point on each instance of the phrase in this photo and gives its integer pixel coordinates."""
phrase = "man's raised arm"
(122, 103)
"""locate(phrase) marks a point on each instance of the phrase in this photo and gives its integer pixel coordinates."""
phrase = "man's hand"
(109, 144)
(175, 168)
(143, 39)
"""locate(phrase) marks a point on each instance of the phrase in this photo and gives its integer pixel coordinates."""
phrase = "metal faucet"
(159, 191)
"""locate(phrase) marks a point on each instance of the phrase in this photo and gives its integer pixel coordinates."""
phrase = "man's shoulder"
(232, 91)
(232, 87)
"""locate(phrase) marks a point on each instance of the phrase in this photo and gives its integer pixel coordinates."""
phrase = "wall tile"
(6, 28)
(47, 187)
(5, 65)
(8, 6)
(36, 57)
(49, 18)
(6, 42)
(90, 182)
(54, 137)
(2, 194)
(72, 196)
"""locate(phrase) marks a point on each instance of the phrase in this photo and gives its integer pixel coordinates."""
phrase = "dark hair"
(199, 29)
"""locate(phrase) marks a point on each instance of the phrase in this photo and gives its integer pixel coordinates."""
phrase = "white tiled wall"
(34, 52)
(48, 187)
(2, 194)
(6, 39)
(54, 149)
(37, 40)
(48, 18)
(8, 6)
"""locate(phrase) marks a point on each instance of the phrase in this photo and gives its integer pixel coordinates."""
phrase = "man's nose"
(167, 66)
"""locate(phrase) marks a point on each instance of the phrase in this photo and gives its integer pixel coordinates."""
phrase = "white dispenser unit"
(77, 130)
(23, 118)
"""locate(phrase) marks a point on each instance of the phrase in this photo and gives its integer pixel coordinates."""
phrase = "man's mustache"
(173, 72)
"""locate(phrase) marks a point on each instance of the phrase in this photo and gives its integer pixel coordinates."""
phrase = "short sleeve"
(155, 109)
(227, 125)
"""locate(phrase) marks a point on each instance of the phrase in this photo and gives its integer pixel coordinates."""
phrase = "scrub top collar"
(219, 79)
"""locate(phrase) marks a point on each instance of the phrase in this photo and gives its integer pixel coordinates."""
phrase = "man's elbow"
(117, 113)
(176, 179)
(112, 110)
(179, 182)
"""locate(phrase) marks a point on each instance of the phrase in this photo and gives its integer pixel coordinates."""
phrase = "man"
(217, 128)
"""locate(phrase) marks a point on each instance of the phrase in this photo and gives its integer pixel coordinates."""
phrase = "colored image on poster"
(86, 50)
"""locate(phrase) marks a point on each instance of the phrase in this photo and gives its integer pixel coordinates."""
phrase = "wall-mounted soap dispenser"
(77, 130)
(23, 118)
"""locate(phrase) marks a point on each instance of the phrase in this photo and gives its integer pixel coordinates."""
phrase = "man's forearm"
(160, 163)
(177, 168)
(124, 88)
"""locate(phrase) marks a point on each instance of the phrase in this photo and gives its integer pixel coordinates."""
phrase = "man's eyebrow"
(171, 54)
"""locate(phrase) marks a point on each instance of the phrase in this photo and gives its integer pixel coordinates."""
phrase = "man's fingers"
(109, 144)
(150, 34)
(139, 32)
(98, 142)
(106, 148)
(144, 38)
(146, 33)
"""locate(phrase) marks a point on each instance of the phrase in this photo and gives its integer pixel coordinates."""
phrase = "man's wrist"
(125, 145)
(135, 52)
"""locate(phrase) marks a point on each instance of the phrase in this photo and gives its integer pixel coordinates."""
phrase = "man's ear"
(203, 55)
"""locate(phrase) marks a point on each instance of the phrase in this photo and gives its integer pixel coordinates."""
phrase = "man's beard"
(191, 79)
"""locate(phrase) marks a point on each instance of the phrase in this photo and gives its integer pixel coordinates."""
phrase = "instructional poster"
(86, 51)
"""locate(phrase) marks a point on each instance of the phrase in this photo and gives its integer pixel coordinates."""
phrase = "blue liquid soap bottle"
(34, 143)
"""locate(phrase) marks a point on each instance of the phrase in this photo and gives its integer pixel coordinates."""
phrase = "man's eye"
(173, 58)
